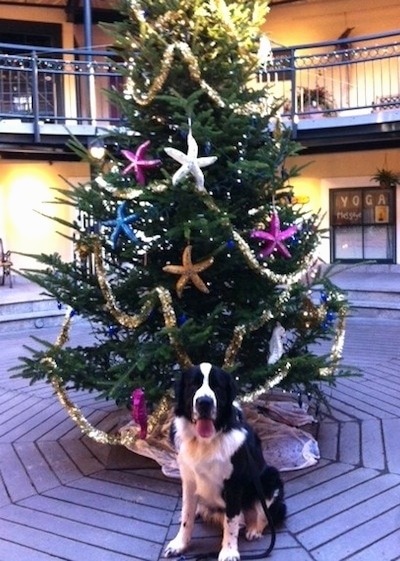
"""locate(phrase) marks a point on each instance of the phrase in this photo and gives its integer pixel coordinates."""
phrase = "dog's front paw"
(253, 534)
(175, 547)
(228, 554)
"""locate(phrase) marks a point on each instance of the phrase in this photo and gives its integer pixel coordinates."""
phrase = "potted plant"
(314, 100)
(386, 178)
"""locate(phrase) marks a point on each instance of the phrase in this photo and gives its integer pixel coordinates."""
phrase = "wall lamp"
(97, 148)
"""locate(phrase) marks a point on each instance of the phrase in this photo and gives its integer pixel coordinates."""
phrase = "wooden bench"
(5, 264)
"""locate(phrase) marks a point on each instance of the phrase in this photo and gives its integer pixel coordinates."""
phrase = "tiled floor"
(64, 497)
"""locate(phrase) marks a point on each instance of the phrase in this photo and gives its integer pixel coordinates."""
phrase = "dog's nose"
(204, 405)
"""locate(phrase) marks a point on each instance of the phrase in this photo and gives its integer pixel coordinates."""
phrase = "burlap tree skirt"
(287, 432)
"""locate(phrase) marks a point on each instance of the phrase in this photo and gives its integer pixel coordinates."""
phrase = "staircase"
(25, 307)
(372, 290)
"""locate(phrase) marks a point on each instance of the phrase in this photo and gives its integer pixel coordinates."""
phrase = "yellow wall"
(323, 20)
(347, 164)
(27, 187)
(26, 190)
(340, 170)
(33, 13)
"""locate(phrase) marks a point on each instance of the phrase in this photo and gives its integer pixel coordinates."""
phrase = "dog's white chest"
(209, 464)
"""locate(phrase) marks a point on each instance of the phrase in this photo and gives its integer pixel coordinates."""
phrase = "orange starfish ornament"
(189, 271)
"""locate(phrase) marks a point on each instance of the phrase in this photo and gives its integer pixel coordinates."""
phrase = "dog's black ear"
(226, 393)
(180, 394)
(231, 386)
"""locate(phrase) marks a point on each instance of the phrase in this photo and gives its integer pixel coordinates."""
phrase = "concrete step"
(26, 307)
(30, 320)
(372, 292)
(374, 309)
(31, 315)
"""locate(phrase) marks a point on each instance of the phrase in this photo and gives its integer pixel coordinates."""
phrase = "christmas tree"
(191, 245)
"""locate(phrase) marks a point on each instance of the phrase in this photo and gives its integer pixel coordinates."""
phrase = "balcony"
(47, 95)
(339, 95)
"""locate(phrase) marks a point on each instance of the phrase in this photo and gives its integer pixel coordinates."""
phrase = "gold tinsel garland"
(241, 331)
(175, 20)
(170, 322)
(127, 438)
(166, 64)
(76, 413)
(160, 293)
(126, 320)
(253, 263)
(135, 320)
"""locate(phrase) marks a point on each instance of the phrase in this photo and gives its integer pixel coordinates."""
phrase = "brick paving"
(64, 497)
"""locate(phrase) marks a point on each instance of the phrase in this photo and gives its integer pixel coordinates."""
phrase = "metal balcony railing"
(57, 86)
(356, 78)
(329, 82)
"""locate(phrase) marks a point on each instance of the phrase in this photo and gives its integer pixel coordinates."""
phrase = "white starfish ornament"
(276, 344)
(190, 163)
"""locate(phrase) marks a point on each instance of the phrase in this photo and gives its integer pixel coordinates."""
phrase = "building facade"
(50, 88)
(335, 63)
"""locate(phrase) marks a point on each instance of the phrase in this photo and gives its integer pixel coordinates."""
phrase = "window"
(363, 224)
(16, 71)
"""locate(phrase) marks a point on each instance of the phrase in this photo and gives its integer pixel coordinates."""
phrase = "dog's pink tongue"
(205, 428)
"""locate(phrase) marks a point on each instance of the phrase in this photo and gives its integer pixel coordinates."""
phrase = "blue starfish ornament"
(121, 225)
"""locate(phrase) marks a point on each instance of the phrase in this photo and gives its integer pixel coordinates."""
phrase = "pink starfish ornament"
(138, 162)
(274, 238)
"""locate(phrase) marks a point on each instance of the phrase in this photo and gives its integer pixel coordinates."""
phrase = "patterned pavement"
(64, 497)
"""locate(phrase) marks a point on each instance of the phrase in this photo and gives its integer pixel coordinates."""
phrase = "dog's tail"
(278, 511)
(274, 492)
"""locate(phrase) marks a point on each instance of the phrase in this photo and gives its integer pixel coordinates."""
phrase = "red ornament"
(139, 411)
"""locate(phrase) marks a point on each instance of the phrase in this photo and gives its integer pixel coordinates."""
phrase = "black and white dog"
(215, 448)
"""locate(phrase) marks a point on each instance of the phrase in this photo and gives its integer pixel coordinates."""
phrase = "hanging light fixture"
(264, 51)
(97, 149)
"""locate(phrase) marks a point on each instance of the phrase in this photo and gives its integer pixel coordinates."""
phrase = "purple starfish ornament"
(274, 238)
(138, 162)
